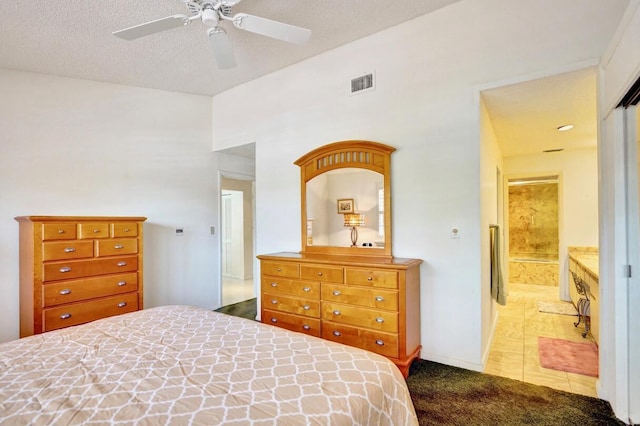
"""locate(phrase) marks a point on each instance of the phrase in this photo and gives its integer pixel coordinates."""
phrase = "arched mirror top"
(358, 174)
(357, 154)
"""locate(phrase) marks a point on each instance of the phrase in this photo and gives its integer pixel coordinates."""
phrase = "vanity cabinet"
(370, 303)
(584, 263)
(78, 269)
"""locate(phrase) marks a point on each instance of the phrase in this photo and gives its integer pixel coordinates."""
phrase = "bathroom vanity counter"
(584, 262)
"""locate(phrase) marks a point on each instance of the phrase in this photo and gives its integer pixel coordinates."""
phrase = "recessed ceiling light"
(565, 127)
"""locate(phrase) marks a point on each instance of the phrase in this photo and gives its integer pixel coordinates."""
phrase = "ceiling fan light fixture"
(210, 17)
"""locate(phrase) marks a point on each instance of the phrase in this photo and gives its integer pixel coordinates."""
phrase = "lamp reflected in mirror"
(353, 220)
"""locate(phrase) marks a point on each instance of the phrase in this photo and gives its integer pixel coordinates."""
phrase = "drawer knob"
(306, 307)
(274, 301)
(65, 291)
(65, 316)
(379, 299)
(274, 284)
(274, 320)
(307, 289)
(369, 278)
(306, 327)
(95, 231)
(60, 231)
(279, 270)
(336, 312)
(319, 274)
(118, 246)
(122, 283)
(337, 333)
(122, 263)
(69, 250)
(380, 320)
(122, 304)
(336, 292)
(126, 229)
(65, 269)
(379, 342)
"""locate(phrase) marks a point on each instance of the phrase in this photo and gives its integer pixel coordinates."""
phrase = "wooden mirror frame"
(354, 154)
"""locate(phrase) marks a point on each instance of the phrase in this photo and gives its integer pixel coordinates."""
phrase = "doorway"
(237, 238)
(525, 121)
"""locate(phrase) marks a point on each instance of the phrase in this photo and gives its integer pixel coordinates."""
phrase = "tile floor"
(514, 352)
(234, 290)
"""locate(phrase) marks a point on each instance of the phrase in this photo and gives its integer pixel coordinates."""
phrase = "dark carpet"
(445, 395)
(247, 309)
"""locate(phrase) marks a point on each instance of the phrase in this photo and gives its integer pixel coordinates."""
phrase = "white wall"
(577, 197)
(424, 105)
(75, 147)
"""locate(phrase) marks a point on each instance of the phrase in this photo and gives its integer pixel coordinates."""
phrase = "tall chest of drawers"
(77, 269)
(370, 303)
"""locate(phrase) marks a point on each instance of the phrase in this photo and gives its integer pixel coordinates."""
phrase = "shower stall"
(533, 230)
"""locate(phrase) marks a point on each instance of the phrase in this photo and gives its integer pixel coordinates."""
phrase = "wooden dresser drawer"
(375, 341)
(80, 313)
(281, 269)
(310, 326)
(370, 277)
(59, 231)
(88, 288)
(84, 268)
(116, 246)
(93, 230)
(67, 250)
(360, 317)
(124, 229)
(322, 273)
(293, 305)
(309, 290)
(368, 297)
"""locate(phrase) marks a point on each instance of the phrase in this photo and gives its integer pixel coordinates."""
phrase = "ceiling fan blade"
(152, 27)
(221, 48)
(269, 28)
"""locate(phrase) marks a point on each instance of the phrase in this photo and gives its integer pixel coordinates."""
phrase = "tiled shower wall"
(533, 233)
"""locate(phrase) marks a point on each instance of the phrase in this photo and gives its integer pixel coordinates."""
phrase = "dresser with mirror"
(344, 284)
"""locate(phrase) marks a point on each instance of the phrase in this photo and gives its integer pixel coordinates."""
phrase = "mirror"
(345, 199)
(360, 191)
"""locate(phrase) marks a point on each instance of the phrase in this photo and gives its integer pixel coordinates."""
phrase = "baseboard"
(453, 362)
(487, 349)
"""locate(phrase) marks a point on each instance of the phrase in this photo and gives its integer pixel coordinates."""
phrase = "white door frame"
(633, 253)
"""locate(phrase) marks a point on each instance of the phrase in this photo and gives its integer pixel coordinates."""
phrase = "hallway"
(514, 352)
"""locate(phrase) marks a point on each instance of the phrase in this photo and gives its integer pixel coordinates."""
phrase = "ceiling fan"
(212, 13)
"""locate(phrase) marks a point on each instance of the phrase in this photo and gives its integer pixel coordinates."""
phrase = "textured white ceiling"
(72, 38)
(525, 116)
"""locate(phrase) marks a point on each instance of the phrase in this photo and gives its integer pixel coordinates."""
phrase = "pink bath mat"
(572, 357)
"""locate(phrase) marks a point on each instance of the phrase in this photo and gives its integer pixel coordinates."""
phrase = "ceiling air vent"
(362, 83)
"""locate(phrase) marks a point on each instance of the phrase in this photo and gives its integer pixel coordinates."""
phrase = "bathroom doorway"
(537, 153)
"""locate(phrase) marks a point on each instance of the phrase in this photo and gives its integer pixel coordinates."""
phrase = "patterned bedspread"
(184, 365)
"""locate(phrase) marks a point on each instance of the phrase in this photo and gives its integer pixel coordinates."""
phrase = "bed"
(187, 365)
